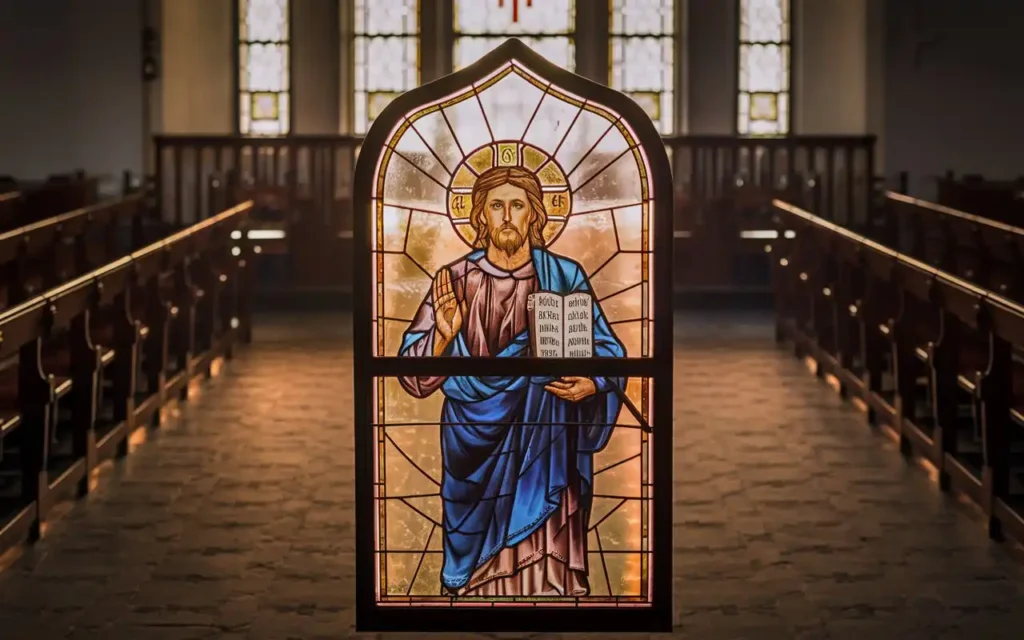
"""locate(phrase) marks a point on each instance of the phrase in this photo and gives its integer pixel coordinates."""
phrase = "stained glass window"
(764, 67)
(546, 25)
(424, 521)
(642, 57)
(512, 220)
(263, 55)
(386, 55)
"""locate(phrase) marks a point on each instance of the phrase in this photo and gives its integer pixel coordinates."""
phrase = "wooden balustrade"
(711, 224)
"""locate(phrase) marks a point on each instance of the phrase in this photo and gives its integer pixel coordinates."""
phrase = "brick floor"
(793, 519)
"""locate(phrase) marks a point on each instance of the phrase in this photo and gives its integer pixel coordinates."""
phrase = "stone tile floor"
(234, 521)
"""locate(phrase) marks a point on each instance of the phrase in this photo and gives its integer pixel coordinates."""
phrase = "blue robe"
(501, 482)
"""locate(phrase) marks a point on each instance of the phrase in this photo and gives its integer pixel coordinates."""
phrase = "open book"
(561, 326)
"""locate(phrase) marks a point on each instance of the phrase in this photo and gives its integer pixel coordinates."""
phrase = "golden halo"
(511, 153)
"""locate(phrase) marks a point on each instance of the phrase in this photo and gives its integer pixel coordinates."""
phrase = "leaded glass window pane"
(574, 189)
(642, 61)
(386, 45)
(264, 56)
(547, 26)
(764, 67)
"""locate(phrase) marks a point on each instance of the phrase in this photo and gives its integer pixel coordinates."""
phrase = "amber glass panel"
(423, 539)
(591, 184)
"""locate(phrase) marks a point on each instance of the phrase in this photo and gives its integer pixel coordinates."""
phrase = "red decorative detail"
(515, 8)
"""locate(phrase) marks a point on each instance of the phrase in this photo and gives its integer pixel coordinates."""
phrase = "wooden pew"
(928, 354)
(1001, 200)
(83, 364)
(10, 201)
(985, 252)
(34, 201)
(46, 253)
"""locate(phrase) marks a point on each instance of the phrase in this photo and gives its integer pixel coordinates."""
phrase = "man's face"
(507, 212)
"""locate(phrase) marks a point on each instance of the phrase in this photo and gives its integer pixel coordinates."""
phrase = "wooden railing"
(933, 358)
(318, 171)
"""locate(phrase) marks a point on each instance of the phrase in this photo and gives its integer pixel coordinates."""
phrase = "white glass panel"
(263, 73)
(764, 59)
(481, 17)
(505, 103)
(467, 121)
(439, 137)
(386, 55)
(264, 20)
(547, 26)
(559, 50)
(552, 121)
(641, 17)
(642, 61)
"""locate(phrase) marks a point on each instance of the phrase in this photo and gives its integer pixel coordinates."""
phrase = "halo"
(510, 153)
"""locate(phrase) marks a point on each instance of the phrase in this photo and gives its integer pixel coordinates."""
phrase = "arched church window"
(545, 25)
(263, 73)
(386, 55)
(643, 56)
(764, 68)
(510, 335)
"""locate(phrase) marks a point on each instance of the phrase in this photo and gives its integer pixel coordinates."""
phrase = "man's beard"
(508, 239)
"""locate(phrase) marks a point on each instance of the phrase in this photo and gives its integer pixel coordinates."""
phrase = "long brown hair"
(517, 177)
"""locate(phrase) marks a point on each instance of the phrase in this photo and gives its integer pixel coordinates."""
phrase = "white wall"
(711, 67)
(315, 66)
(70, 87)
(197, 84)
(830, 67)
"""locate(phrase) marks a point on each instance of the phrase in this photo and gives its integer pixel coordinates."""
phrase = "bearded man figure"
(517, 452)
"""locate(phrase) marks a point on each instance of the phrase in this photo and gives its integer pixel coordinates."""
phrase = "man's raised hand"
(447, 313)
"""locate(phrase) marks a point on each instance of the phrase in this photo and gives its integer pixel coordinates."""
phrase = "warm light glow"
(759, 234)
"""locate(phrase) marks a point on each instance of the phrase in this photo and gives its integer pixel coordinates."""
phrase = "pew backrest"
(34, 319)
(983, 251)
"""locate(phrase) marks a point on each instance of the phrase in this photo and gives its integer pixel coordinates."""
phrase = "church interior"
(511, 318)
